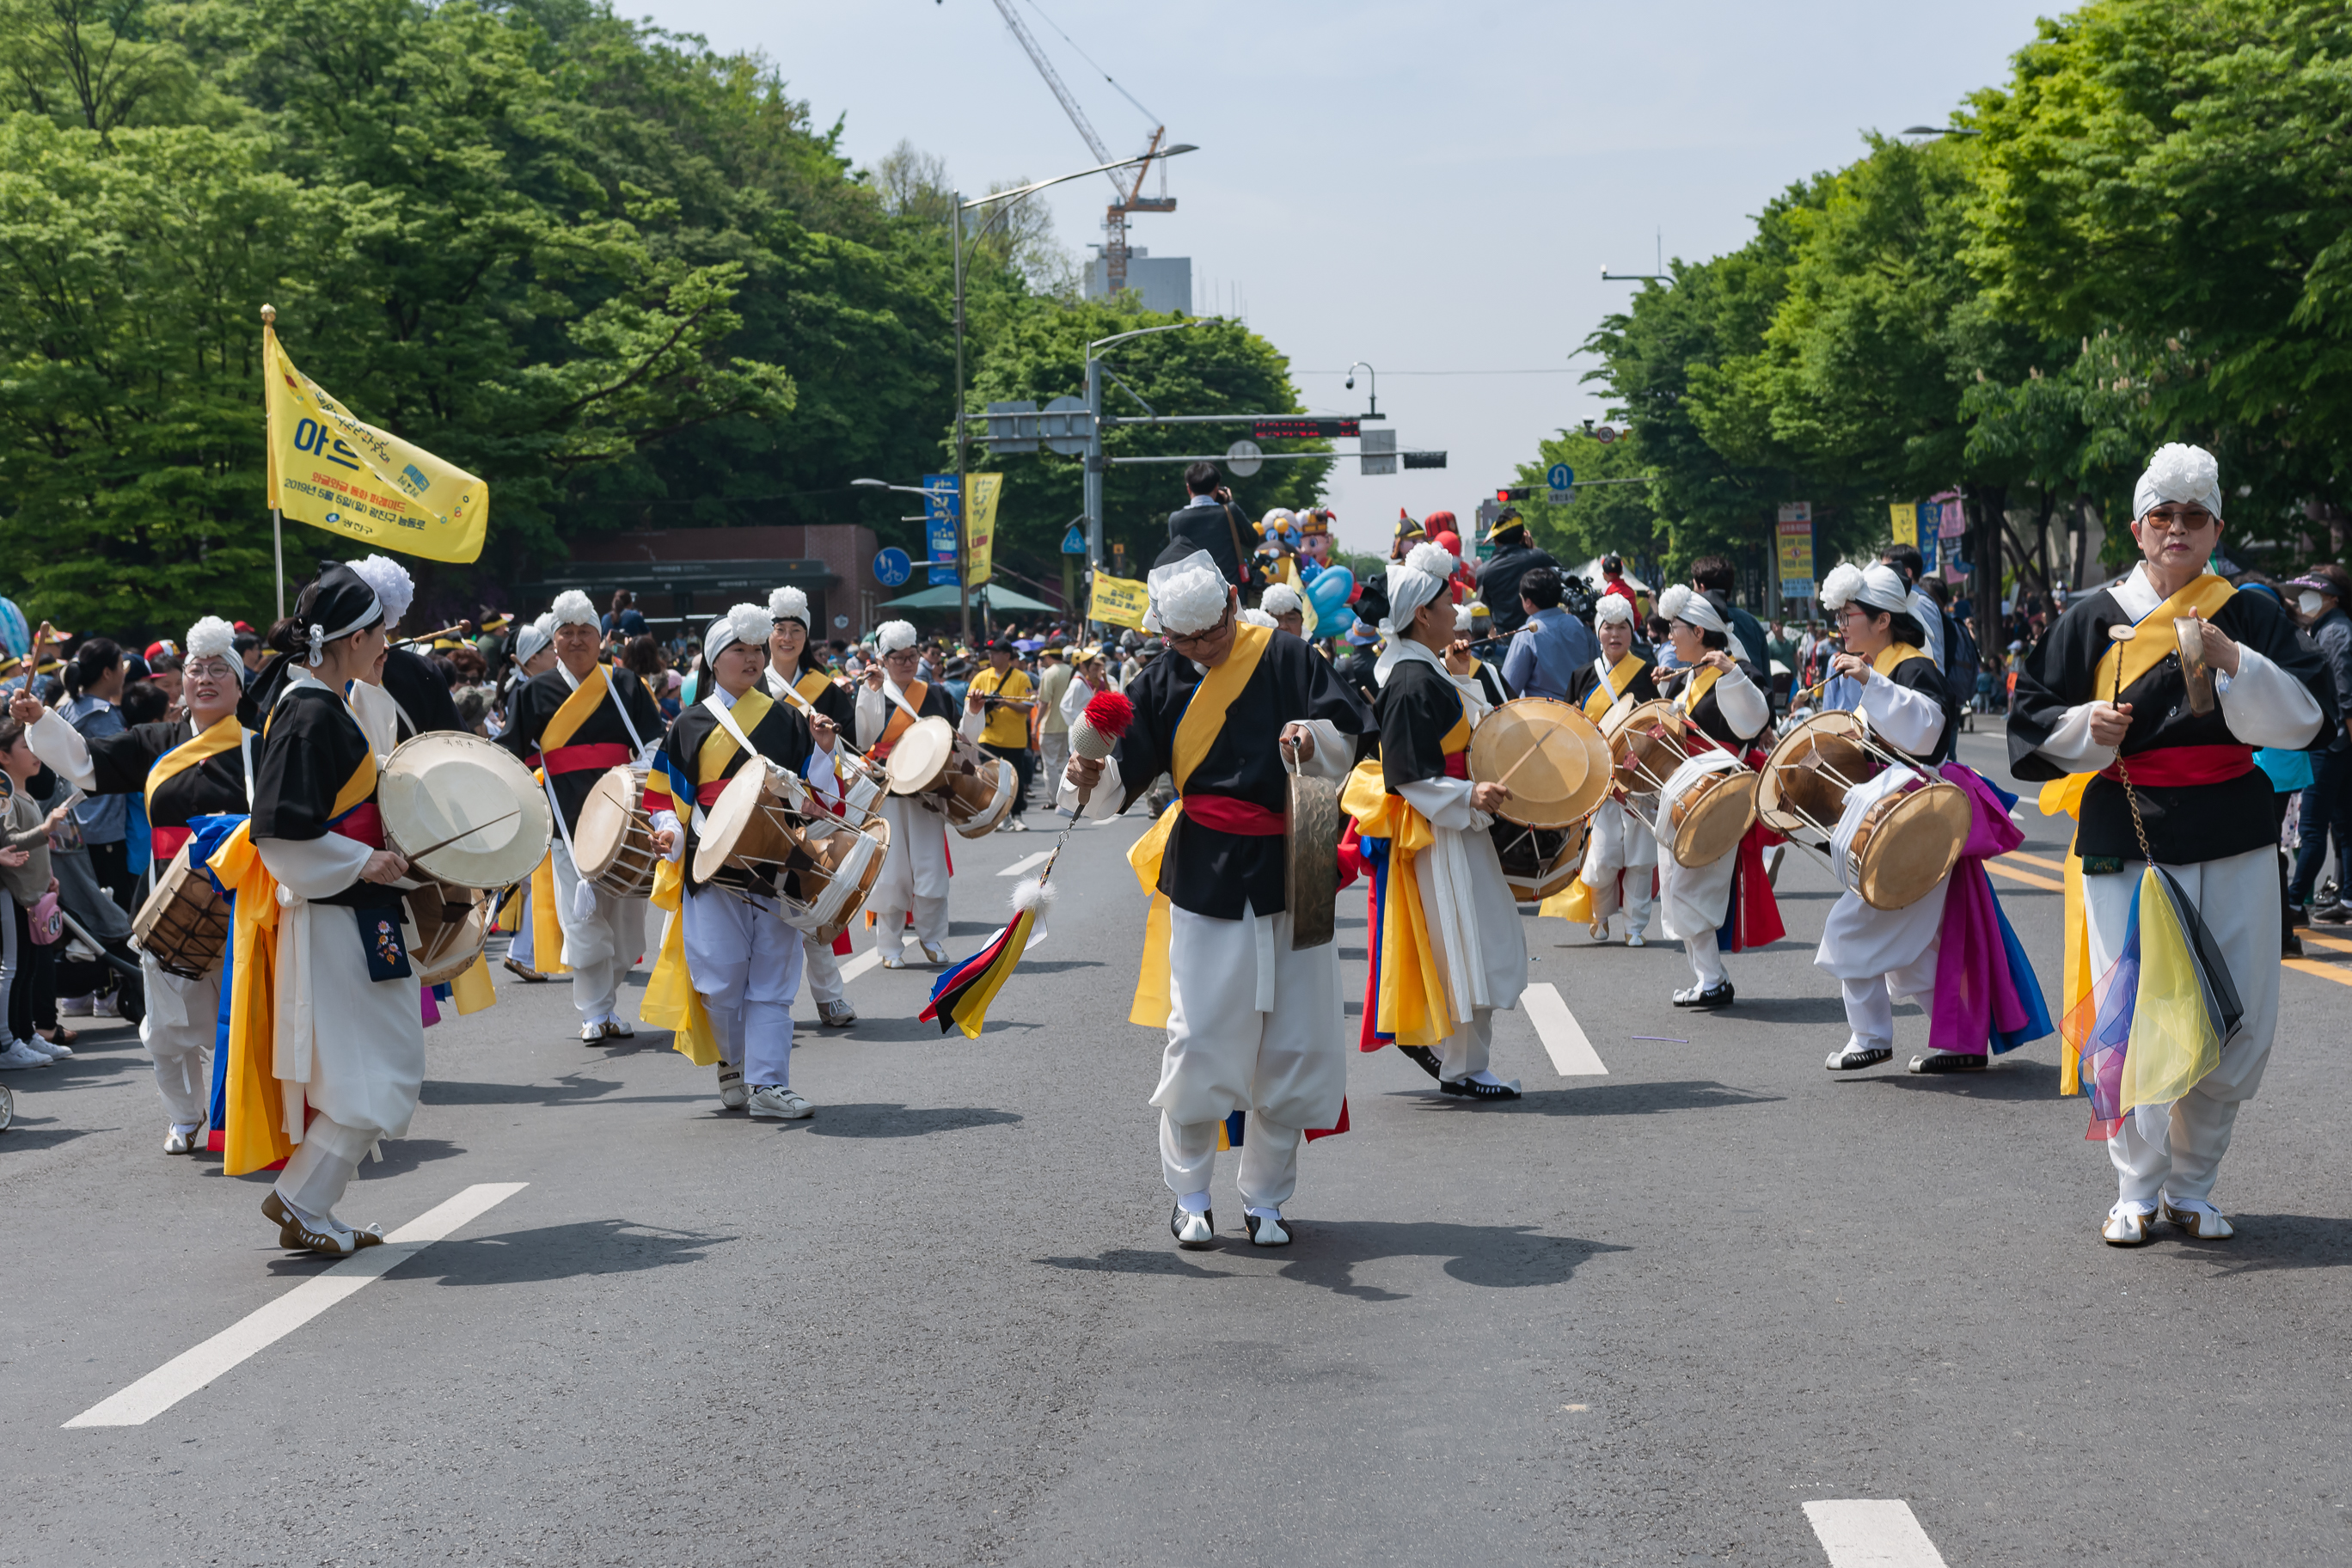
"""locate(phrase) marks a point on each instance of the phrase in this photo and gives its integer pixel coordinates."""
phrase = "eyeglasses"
(1182, 640)
(2185, 518)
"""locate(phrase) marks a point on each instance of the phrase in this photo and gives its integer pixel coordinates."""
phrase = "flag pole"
(276, 522)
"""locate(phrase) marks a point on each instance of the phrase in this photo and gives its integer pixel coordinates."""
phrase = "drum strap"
(735, 732)
(612, 690)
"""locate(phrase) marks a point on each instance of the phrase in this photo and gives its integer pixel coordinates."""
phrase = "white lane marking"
(1027, 864)
(853, 968)
(1872, 1532)
(1562, 1036)
(257, 1331)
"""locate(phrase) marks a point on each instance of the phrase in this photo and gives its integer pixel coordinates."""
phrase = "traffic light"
(1514, 492)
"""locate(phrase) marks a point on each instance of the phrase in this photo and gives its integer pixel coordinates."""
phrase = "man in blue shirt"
(1551, 646)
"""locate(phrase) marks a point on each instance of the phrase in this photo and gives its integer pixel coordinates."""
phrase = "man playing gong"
(1251, 1025)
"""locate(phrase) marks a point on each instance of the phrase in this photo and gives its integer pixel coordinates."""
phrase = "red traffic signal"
(1515, 492)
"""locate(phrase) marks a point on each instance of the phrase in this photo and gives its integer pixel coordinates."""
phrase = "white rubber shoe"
(732, 1095)
(2128, 1225)
(778, 1103)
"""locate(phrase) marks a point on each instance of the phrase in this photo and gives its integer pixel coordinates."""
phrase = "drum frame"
(1792, 821)
(178, 873)
(636, 851)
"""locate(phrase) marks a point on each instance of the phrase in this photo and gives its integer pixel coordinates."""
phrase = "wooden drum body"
(463, 811)
(613, 845)
(1540, 861)
(831, 875)
(184, 925)
(977, 791)
(1906, 843)
(1645, 746)
(1811, 772)
(753, 827)
(451, 925)
(1706, 808)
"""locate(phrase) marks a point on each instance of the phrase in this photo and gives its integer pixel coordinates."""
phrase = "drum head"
(1913, 840)
(464, 811)
(1310, 862)
(605, 819)
(1633, 742)
(737, 823)
(919, 755)
(1705, 807)
(1547, 754)
(1786, 803)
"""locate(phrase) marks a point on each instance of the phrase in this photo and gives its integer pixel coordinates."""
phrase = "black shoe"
(2297, 915)
(2334, 914)
(1949, 1061)
(1422, 1057)
(1715, 996)
(1853, 1058)
(1205, 1235)
(2289, 945)
(1469, 1089)
(1281, 1230)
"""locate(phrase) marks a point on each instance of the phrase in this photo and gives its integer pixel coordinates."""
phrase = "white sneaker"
(20, 1054)
(619, 1029)
(48, 1051)
(781, 1104)
(73, 1006)
(731, 1092)
(107, 1006)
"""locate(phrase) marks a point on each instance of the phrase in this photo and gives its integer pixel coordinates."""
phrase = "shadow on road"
(579, 1250)
(569, 1092)
(401, 1156)
(1326, 1254)
(1787, 1010)
(28, 1133)
(888, 1120)
(2004, 1079)
(1603, 1099)
(2266, 1242)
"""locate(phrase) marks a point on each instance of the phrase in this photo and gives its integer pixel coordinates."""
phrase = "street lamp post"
(1375, 392)
(956, 246)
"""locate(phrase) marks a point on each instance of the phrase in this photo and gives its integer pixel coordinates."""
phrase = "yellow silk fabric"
(223, 736)
(671, 1001)
(256, 1137)
(1411, 1005)
(1204, 719)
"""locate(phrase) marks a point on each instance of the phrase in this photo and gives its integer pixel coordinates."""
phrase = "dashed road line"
(2324, 971)
(1027, 864)
(860, 964)
(2030, 878)
(186, 1374)
(1872, 1532)
(1563, 1037)
(2047, 865)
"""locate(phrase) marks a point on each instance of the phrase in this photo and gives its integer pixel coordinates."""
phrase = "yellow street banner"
(980, 493)
(1905, 519)
(330, 470)
(1117, 601)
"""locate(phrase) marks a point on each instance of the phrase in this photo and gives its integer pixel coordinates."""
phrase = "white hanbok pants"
(821, 967)
(1880, 957)
(599, 947)
(2177, 1150)
(182, 1020)
(1622, 846)
(1694, 900)
(746, 962)
(914, 877)
(1254, 1026)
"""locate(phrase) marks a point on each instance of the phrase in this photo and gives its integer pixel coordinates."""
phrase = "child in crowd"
(27, 968)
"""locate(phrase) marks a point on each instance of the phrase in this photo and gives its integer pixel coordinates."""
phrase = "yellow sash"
(670, 1001)
(1203, 720)
(811, 685)
(577, 709)
(546, 925)
(1604, 695)
(899, 721)
(1891, 655)
(223, 736)
(1699, 683)
(254, 1138)
(718, 747)
(2132, 660)
(1411, 1005)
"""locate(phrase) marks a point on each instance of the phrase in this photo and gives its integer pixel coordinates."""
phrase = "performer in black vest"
(1620, 858)
(738, 953)
(1251, 1025)
(576, 724)
(797, 676)
(2202, 804)
(197, 766)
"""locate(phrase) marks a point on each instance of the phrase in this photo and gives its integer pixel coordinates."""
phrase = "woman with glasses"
(2149, 778)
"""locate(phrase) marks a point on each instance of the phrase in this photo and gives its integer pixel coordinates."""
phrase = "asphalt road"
(1644, 1317)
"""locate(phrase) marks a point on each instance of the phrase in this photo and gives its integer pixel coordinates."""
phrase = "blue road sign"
(1074, 542)
(944, 576)
(1559, 476)
(891, 567)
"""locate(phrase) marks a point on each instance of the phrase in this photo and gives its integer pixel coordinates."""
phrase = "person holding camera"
(1551, 645)
(1209, 520)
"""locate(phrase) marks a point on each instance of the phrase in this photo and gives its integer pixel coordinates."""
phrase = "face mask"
(2311, 602)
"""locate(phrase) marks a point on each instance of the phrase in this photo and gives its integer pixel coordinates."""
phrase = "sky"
(1427, 188)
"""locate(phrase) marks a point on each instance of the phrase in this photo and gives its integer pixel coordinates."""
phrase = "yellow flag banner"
(980, 493)
(1118, 601)
(1905, 519)
(333, 471)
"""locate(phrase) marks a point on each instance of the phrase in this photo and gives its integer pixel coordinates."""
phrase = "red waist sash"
(1457, 764)
(168, 841)
(597, 754)
(363, 822)
(2172, 766)
(1228, 814)
(707, 794)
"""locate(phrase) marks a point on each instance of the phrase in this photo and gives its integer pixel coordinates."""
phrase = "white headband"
(533, 637)
(2179, 473)
(741, 623)
(891, 636)
(1281, 599)
(1878, 586)
(1186, 596)
(1415, 580)
(573, 608)
(1681, 603)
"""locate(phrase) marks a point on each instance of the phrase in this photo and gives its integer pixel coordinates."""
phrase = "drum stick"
(429, 636)
(466, 833)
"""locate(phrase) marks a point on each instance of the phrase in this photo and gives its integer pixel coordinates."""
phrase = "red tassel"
(1109, 713)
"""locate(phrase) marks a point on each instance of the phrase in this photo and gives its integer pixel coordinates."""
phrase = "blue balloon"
(1330, 589)
(1336, 623)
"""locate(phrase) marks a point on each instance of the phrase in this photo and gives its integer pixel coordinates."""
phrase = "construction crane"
(1131, 198)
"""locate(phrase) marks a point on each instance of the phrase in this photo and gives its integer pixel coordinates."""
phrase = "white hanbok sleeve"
(2265, 706)
(314, 867)
(1446, 804)
(1908, 721)
(1103, 804)
(61, 746)
(873, 714)
(2070, 744)
(1745, 707)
